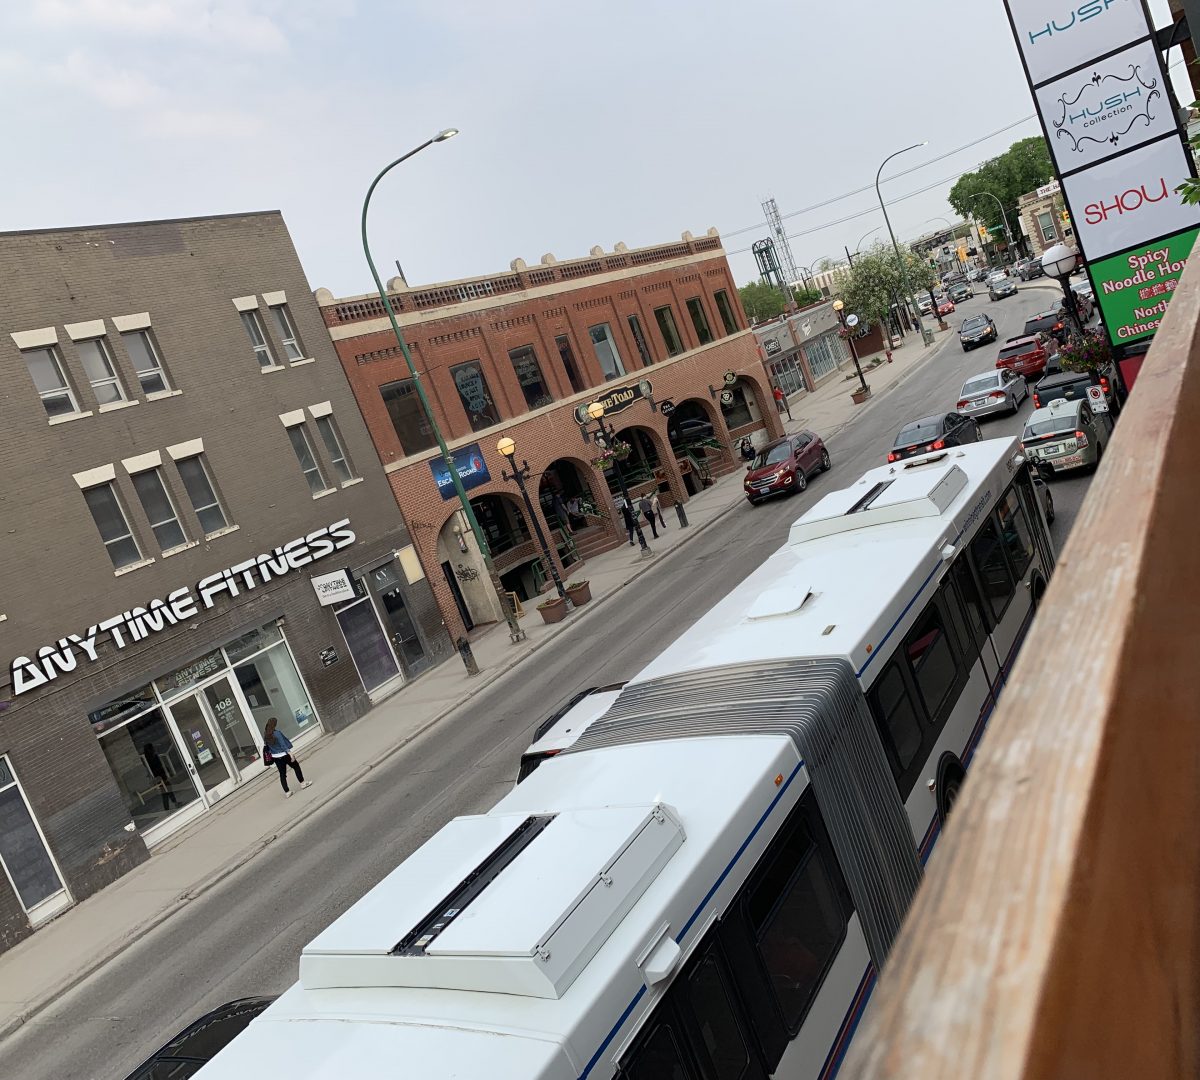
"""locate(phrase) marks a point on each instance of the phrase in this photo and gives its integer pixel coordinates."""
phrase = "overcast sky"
(583, 122)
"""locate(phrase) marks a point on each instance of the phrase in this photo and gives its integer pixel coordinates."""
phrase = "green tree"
(1022, 168)
(870, 286)
(804, 297)
(762, 300)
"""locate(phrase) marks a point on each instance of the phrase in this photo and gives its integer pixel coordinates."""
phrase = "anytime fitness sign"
(139, 623)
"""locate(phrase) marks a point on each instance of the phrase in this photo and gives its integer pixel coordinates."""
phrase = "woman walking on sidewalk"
(279, 746)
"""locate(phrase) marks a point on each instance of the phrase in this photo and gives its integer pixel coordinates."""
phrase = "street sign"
(852, 321)
(1133, 288)
(1096, 399)
(730, 378)
(666, 407)
(726, 397)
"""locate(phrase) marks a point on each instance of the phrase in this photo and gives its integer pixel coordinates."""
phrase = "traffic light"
(1064, 217)
(984, 238)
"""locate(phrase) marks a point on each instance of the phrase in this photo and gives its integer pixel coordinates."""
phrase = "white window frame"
(253, 324)
(60, 370)
(130, 535)
(287, 332)
(156, 471)
(202, 462)
(106, 357)
(611, 341)
(157, 367)
(301, 432)
(335, 448)
(55, 902)
(1047, 228)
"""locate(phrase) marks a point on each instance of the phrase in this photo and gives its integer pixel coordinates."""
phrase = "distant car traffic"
(945, 307)
(960, 291)
(785, 465)
(1000, 286)
(199, 1042)
(925, 305)
(1052, 322)
(563, 726)
(977, 330)
(1065, 435)
(992, 392)
(1073, 386)
(1026, 355)
(932, 433)
(1028, 269)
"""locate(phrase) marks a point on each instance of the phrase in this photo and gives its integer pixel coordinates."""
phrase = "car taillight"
(1104, 383)
(939, 445)
(996, 395)
(1081, 439)
(962, 404)
(1037, 402)
(893, 456)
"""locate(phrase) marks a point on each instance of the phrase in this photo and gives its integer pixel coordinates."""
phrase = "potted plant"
(553, 610)
(579, 592)
(860, 395)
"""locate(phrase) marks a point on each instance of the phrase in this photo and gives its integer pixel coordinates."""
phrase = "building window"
(23, 851)
(665, 318)
(254, 330)
(46, 369)
(529, 375)
(725, 309)
(98, 366)
(308, 460)
(113, 525)
(824, 354)
(786, 373)
(198, 484)
(408, 418)
(475, 395)
(1045, 222)
(146, 362)
(287, 333)
(334, 448)
(567, 355)
(160, 512)
(639, 339)
(699, 320)
(606, 351)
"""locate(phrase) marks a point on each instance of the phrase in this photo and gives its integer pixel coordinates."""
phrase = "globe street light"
(605, 436)
(926, 336)
(508, 449)
(839, 307)
(515, 632)
(1059, 262)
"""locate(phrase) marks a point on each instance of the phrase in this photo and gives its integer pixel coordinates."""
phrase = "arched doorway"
(577, 519)
(639, 465)
(514, 551)
(699, 440)
(750, 413)
(465, 574)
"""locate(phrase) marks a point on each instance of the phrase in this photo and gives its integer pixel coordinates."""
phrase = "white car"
(998, 391)
(560, 730)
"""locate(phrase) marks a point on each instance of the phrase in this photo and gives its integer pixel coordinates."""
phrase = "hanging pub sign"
(617, 400)
(1108, 116)
(137, 624)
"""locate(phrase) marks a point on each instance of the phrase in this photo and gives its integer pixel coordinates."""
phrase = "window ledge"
(180, 548)
(327, 491)
(303, 361)
(158, 395)
(272, 367)
(69, 417)
(352, 481)
(114, 406)
(221, 532)
(132, 567)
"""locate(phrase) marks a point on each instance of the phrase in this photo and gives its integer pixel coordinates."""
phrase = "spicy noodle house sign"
(1106, 110)
(137, 624)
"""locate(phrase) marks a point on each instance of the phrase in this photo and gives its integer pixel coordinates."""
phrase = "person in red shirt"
(781, 401)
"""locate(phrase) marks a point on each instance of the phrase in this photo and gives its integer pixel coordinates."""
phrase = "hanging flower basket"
(1092, 352)
(608, 454)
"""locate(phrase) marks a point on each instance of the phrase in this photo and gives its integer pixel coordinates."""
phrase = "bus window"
(988, 555)
(973, 608)
(720, 1035)
(935, 669)
(896, 718)
(1015, 530)
(659, 1057)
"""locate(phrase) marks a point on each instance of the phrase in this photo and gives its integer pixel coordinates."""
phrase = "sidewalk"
(87, 936)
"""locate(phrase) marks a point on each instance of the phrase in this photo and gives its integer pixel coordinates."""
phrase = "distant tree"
(1022, 168)
(804, 297)
(762, 300)
(871, 284)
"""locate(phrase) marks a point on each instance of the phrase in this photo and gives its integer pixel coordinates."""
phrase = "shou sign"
(1107, 113)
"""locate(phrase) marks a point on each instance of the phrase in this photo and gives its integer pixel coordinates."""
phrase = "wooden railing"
(1057, 934)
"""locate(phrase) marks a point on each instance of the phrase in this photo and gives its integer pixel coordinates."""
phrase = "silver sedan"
(1000, 391)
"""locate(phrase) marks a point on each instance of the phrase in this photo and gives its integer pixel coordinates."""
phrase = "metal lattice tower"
(768, 265)
(786, 262)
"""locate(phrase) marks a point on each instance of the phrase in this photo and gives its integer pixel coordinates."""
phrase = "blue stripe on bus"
(837, 1052)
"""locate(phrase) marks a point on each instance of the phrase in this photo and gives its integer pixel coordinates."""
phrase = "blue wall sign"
(472, 470)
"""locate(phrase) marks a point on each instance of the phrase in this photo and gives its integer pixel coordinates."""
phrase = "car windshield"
(1017, 350)
(773, 455)
(978, 386)
(920, 431)
(976, 322)
(1054, 425)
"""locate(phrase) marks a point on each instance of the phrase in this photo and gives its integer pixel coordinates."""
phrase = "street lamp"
(1008, 237)
(606, 436)
(515, 632)
(926, 336)
(1059, 262)
(508, 449)
(839, 307)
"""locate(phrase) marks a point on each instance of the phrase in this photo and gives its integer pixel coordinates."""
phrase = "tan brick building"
(658, 332)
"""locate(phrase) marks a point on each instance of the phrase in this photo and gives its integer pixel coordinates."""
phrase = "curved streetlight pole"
(926, 337)
(515, 632)
(1008, 237)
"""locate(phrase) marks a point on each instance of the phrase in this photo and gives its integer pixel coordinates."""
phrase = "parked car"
(934, 433)
(1026, 355)
(1000, 286)
(977, 330)
(992, 392)
(1058, 385)
(785, 466)
(199, 1042)
(960, 291)
(563, 726)
(1052, 322)
(1065, 435)
(945, 307)
(691, 430)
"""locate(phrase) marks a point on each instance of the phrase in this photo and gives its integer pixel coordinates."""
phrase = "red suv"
(1025, 355)
(785, 465)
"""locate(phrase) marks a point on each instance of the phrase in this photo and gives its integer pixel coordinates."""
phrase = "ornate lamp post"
(605, 436)
(1059, 262)
(508, 449)
(849, 326)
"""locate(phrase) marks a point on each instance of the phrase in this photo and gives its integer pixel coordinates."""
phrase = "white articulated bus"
(703, 886)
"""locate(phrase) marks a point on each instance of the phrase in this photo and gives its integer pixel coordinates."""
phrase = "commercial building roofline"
(135, 224)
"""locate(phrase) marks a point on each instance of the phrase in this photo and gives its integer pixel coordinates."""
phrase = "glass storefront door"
(206, 757)
(385, 584)
(241, 743)
(368, 646)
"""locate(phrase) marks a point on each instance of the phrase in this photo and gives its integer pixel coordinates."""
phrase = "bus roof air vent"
(785, 599)
(505, 904)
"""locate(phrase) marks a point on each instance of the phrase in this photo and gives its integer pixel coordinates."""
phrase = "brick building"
(1043, 219)
(804, 350)
(198, 536)
(657, 333)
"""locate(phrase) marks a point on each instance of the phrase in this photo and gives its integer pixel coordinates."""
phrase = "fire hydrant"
(889, 355)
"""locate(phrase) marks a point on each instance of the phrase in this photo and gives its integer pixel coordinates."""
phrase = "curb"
(230, 867)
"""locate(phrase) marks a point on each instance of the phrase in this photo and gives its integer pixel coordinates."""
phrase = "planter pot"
(580, 593)
(552, 611)
(859, 396)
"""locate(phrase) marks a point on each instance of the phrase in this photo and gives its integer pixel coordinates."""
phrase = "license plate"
(1069, 462)
(1059, 450)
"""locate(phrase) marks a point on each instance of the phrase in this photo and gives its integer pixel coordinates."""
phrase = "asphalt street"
(244, 936)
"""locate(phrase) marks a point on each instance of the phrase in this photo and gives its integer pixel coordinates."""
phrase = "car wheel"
(978, 432)
(801, 481)
(826, 464)
(1049, 508)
